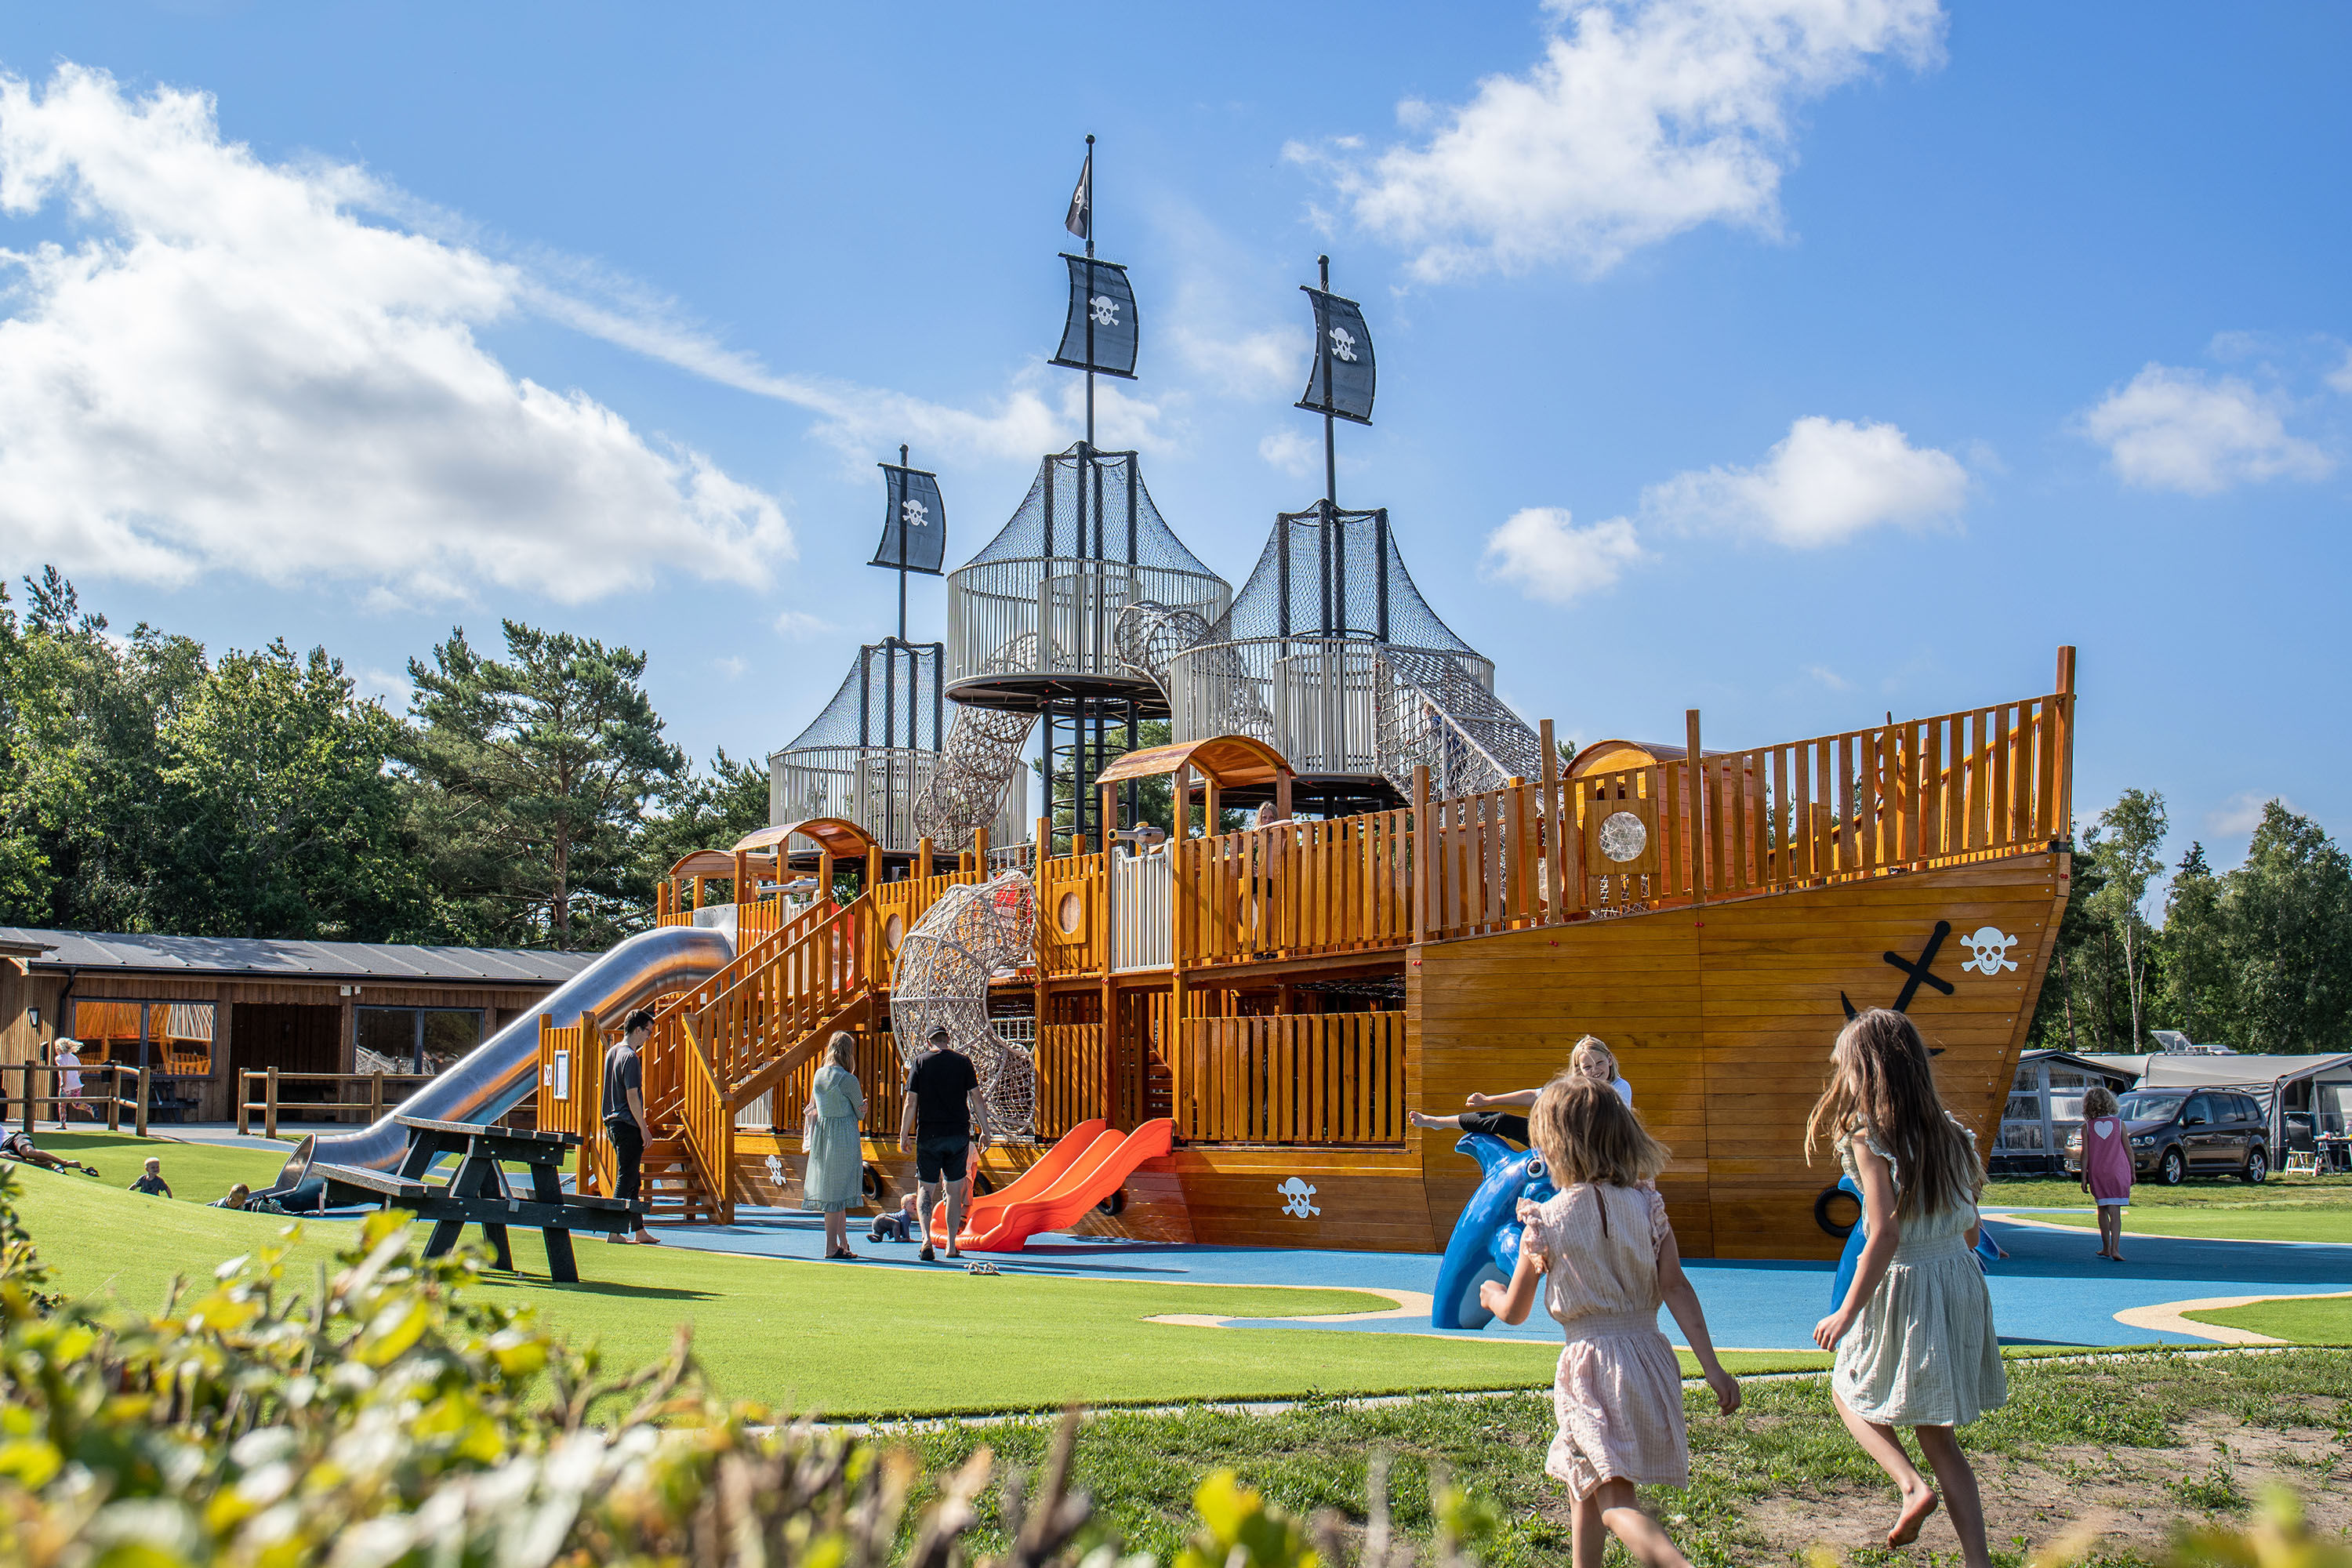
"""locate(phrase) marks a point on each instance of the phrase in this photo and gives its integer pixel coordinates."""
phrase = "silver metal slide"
(492, 1078)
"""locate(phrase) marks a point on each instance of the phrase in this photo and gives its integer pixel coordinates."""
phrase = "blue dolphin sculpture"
(1486, 1241)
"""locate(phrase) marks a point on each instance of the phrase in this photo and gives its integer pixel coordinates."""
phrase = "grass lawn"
(2146, 1440)
(2325, 1322)
(2299, 1190)
(2244, 1222)
(841, 1340)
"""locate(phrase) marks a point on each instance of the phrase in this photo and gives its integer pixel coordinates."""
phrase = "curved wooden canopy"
(719, 863)
(1229, 761)
(836, 835)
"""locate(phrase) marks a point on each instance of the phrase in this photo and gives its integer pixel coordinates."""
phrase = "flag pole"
(902, 541)
(1090, 307)
(1330, 459)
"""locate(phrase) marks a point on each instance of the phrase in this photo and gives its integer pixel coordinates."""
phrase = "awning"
(836, 835)
(1231, 761)
(719, 863)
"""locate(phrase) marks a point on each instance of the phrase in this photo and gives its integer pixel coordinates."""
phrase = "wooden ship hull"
(1285, 994)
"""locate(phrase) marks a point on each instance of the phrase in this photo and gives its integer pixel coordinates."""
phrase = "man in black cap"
(944, 1113)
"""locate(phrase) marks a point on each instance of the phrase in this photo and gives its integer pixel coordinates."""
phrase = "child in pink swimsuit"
(2106, 1167)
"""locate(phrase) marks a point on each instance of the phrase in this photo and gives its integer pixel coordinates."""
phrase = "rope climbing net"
(944, 964)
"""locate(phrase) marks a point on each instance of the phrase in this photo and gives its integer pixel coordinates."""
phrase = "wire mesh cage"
(1043, 597)
(873, 751)
(1302, 660)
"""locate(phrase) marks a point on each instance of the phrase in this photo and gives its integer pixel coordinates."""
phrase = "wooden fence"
(1321, 1078)
(1297, 888)
(365, 1092)
(1074, 915)
(1074, 1076)
(127, 1090)
(572, 1094)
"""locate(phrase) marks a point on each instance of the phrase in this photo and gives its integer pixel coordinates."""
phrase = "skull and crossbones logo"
(1343, 344)
(1295, 1193)
(1106, 310)
(915, 513)
(1988, 950)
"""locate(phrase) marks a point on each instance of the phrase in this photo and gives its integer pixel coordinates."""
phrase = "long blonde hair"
(1585, 1133)
(1880, 1085)
(841, 1049)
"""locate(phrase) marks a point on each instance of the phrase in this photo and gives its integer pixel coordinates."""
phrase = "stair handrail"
(763, 1007)
(665, 1049)
(708, 1124)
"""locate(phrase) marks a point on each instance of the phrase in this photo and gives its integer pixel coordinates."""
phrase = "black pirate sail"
(1342, 383)
(914, 520)
(1099, 335)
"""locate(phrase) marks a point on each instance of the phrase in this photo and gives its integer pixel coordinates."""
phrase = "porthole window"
(1070, 913)
(894, 931)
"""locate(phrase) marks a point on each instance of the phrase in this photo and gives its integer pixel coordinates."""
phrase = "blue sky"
(1798, 360)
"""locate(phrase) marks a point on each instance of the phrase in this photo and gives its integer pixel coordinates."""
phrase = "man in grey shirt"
(625, 1114)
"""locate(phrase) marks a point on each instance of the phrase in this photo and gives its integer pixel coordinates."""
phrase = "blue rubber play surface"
(2051, 1289)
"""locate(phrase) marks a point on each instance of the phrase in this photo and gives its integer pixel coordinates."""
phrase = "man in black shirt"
(624, 1113)
(944, 1113)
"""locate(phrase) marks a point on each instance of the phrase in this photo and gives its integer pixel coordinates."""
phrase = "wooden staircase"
(719, 1047)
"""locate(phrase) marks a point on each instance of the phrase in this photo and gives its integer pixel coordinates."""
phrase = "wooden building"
(195, 1010)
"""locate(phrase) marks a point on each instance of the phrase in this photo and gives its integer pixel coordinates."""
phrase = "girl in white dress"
(1914, 1337)
(1607, 1260)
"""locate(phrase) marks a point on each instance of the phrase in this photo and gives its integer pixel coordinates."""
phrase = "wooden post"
(28, 1100)
(143, 1071)
(1555, 822)
(1183, 930)
(375, 1097)
(1106, 817)
(922, 857)
(1210, 824)
(1282, 794)
(114, 1100)
(268, 1106)
(697, 894)
(2063, 828)
(980, 852)
(824, 875)
(1694, 774)
(1424, 849)
(873, 868)
(742, 886)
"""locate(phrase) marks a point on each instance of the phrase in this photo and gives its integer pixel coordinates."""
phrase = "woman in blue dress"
(836, 1174)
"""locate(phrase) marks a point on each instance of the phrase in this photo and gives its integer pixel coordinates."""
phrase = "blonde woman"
(835, 1171)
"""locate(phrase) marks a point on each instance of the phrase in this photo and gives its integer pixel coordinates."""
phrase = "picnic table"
(477, 1191)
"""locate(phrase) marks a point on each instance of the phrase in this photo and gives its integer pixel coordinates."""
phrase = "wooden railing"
(1074, 1071)
(127, 1089)
(755, 1028)
(899, 905)
(709, 1126)
(1327, 1078)
(1484, 851)
(361, 1091)
(1297, 888)
(1074, 915)
(665, 1048)
(572, 1094)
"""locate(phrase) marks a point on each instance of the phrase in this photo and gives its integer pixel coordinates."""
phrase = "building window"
(416, 1039)
(173, 1038)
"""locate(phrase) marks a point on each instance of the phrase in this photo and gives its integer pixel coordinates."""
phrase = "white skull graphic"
(915, 513)
(1105, 310)
(1988, 950)
(1295, 1195)
(1343, 344)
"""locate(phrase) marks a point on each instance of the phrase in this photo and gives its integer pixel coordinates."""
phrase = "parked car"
(2176, 1133)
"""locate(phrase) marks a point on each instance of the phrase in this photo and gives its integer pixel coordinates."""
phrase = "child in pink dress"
(2106, 1167)
(1607, 1260)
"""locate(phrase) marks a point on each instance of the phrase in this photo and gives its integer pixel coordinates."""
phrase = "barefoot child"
(1914, 1337)
(1607, 1258)
(1589, 1057)
(2106, 1167)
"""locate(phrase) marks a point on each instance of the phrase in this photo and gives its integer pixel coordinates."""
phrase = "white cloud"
(1542, 551)
(1290, 451)
(1826, 481)
(1829, 678)
(2340, 378)
(2242, 813)
(233, 371)
(1642, 119)
(2174, 429)
(731, 666)
(799, 626)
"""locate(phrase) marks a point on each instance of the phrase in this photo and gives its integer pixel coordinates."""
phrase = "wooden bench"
(477, 1191)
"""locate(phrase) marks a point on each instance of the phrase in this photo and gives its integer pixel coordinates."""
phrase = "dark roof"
(261, 957)
(12, 948)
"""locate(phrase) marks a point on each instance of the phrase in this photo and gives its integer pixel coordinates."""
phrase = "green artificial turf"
(2244, 1222)
(2325, 1322)
(2297, 1189)
(843, 1339)
(198, 1173)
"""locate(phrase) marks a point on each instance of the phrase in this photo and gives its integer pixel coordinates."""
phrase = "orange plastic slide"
(1085, 1166)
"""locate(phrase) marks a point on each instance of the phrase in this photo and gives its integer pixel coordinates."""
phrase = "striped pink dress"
(1618, 1395)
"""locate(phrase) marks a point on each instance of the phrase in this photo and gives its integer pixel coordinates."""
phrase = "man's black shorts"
(940, 1159)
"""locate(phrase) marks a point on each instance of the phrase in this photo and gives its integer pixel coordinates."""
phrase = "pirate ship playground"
(1206, 979)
